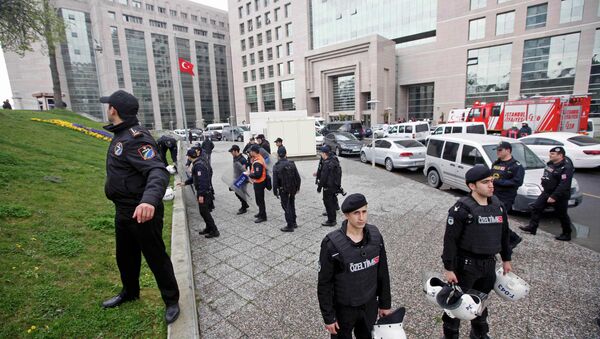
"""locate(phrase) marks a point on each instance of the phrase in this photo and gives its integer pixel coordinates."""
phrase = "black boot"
(118, 299)
(203, 232)
(287, 229)
(529, 229)
(563, 237)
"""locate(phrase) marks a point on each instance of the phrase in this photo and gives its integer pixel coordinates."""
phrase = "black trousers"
(330, 202)
(359, 319)
(133, 240)
(478, 274)
(288, 203)
(508, 199)
(163, 154)
(259, 195)
(205, 209)
(561, 207)
(244, 203)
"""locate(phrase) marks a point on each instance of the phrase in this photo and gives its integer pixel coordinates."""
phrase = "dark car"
(343, 143)
(353, 127)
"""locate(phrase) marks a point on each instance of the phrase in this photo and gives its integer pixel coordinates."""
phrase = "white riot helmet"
(390, 326)
(169, 194)
(172, 170)
(432, 287)
(510, 286)
(459, 305)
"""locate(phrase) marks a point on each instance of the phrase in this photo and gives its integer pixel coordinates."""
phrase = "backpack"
(337, 175)
(290, 181)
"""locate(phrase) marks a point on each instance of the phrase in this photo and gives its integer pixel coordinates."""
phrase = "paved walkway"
(258, 282)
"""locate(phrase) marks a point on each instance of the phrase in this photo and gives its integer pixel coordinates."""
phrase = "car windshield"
(582, 140)
(345, 137)
(408, 143)
(520, 152)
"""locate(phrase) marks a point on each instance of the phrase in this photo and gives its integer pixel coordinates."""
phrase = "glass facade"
(140, 79)
(114, 33)
(488, 73)
(164, 81)
(268, 96)
(251, 98)
(343, 93)
(79, 63)
(120, 74)
(505, 23)
(335, 21)
(594, 88)
(549, 65)
(187, 83)
(536, 16)
(287, 89)
(222, 84)
(205, 82)
(420, 101)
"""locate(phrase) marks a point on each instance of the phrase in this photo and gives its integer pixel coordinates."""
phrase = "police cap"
(504, 145)
(126, 104)
(353, 202)
(477, 173)
(558, 149)
(234, 148)
(260, 136)
(278, 140)
(255, 148)
(192, 153)
(325, 149)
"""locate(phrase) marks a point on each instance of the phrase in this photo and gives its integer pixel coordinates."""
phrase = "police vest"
(356, 284)
(482, 232)
(261, 161)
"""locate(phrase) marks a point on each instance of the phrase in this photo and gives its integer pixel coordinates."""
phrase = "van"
(458, 114)
(460, 128)
(417, 130)
(450, 156)
(215, 131)
(353, 127)
(234, 133)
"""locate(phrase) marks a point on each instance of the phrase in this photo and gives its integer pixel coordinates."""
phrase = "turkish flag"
(186, 66)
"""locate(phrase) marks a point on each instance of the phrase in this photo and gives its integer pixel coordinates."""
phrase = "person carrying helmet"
(353, 283)
(476, 230)
(525, 129)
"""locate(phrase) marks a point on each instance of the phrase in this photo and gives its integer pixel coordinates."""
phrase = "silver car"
(395, 153)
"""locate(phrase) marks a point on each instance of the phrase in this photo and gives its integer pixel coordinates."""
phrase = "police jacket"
(329, 172)
(135, 173)
(201, 178)
(476, 231)
(239, 165)
(208, 146)
(265, 144)
(508, 175)
(166, 142)
(278, 184)
(352, 274)
(557, 178)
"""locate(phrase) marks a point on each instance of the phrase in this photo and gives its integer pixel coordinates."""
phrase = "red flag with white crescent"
(186, 66)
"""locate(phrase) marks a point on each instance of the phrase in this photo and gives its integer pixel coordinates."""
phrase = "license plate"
(571, 201)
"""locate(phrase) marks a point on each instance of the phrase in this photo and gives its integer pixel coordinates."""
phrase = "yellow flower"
(18, 245)
(33, 238)
(36, 268)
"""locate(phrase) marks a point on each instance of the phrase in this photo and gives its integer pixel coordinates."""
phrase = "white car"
(379, 130)
(417, 130)
(583, 151)
(395, 153)
(318, 138)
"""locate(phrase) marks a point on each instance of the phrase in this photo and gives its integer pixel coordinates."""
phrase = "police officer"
(354, 283)
(508, 176)
(279, 143)
(328, 180)
(258, 176)
(207, 147)
(286, 184)
(556, 183)
(167, 143)
(239, 166)
(136, 180)
(476, 230)
(202, 180)
(251, 142)
(262, 142)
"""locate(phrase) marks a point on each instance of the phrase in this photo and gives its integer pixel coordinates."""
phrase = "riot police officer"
(354, 283)
(257, 173)
(167, 143)
(556, 183)
(207, 147)
(286, 184)
(476, 230)
(329, 181)
(508, 176)
(239, 166)
(136, 180)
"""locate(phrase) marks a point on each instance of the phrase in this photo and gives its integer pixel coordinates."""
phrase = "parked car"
(417, 130)
(379, 130)
(318, 138)
(353, 127)
(185, 135)
(395, 153)
(234, 133)
(460, 128)
(583, 151)
(450, 156)
(343, 143)
(319, 123)
(215, 131)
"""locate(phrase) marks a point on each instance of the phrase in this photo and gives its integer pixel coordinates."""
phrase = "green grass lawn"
(57, 247)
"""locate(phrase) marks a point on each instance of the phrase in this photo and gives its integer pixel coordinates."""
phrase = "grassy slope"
(58, 264)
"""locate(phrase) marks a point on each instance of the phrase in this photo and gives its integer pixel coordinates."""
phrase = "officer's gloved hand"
(318, 189)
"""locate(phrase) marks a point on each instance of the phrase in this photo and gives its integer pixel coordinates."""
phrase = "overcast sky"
(5, 91)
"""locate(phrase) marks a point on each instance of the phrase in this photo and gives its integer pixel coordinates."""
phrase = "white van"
(215, 131)
(458, 114)
(417, 130)
(450, 156)
(460, 128)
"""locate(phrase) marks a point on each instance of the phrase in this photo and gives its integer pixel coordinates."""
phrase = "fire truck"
(565, 113)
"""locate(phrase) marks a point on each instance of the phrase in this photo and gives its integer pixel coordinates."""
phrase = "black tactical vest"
(356, 284)
(482, 232)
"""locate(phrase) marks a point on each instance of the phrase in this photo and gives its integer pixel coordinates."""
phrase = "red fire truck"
(566, 113)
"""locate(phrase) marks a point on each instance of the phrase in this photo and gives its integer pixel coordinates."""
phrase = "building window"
(132, 19)
(536, 16)
(286, 10)
(269, 36)
(289, 48)
(251, 98)
(150, 7)
(172, 12)
(266, 3)
(184, 15)
(280, 70)
(287, 90)
(259, 39)
(249, 25)
(261, 56)
(267, 18)
(72, 17)
(252, 59)
(594, 88)
(476, 4)
(268, 96)
(243, 44)
(77, 51)
(203, 20)
(276, 13)
(123, 2)
(343, 93)
(245, 75)
(270, 53)
(288, 30)
(505, 23)
(277, 33)
(218, 36)
(74, 34)
(136, 3)
(242, 28)
(488, 73)
(248, 9)
(571, 10)
(503, 1)
(258, 21)
(221, 24)
(271, 71)
(549, 65)
(240, 11)
(251, 42)
(180, 28)
(114, 33)
(162, 10)
(253, 75)
(213, 22)
(200, 32)
(244, 61)
(120, 75)
(194, 18)
(256, 5)
(205, 83)
(111, 15)
(420, 101)
(290, 67)
(261, 73)
(279, 50)
(158, 24)
(477, 29)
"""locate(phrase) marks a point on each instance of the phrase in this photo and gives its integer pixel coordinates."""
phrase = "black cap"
(126, 104)
(192, 153)
(261, 136)
(281, 152)
(477, 173)
(558, 149)
(353, 202)
(234, 148)
(255, 148)
(325, 149)
(504, 145)
(278, 140)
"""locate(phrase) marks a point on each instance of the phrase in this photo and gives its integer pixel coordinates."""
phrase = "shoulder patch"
(136, 133)
(118, 149)
(450, 221)
(147, 152)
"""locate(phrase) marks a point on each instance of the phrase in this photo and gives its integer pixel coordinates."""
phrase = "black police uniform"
(353, 281)
(239, 166)
(167, 143)
(201, 178)
(508, 177)
(327, 182)
(474, 235)
(136, 174)
(556, 183)
(266, 145)
(288, 199)
(207, 147)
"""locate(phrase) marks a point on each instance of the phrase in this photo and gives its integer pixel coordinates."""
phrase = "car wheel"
(363, 157)
(389, 165)
(433, 179)
(338, 152)
(240, 138)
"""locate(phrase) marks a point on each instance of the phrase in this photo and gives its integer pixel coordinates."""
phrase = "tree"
(24, 22)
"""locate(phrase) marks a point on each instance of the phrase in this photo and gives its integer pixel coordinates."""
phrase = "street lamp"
(375, 102)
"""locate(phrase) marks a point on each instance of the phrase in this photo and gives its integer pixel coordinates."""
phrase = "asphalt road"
(585, 217)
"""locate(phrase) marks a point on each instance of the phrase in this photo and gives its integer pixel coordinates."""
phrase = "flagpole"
(181, 90)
